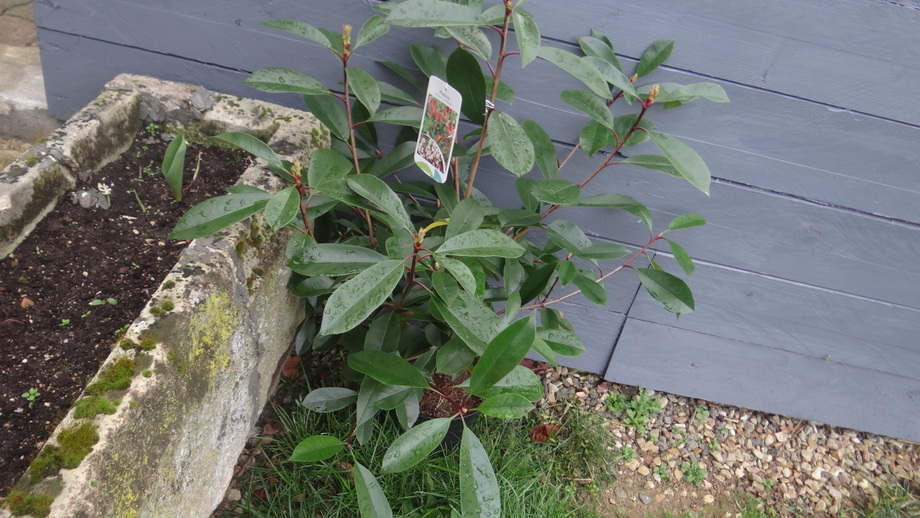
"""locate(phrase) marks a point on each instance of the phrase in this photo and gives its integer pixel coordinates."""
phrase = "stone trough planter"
(170, 448)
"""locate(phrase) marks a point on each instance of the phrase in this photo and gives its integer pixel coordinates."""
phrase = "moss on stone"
(92, 406)
(127, 344)
(74, 444)
(116, 377)
(147, 344)
(22, 503)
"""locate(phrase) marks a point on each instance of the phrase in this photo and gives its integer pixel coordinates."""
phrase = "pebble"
(646, 499)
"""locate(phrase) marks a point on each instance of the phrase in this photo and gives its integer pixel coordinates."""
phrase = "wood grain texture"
(770, 380)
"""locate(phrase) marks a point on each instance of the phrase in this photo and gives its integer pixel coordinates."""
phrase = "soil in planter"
(70, 290)
(444, 405)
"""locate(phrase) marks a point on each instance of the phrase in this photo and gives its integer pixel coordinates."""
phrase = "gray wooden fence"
(808, 285)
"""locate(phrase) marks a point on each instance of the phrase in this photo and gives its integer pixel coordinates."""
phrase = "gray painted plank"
(760, 378)
(598, 329)
(785, 316)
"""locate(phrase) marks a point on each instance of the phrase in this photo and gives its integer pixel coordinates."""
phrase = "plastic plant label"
(438, 129)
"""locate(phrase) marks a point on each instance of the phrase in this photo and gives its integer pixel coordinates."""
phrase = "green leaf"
(536, 281)
(433, 13)
(327, 169)
(431, 59)
(387, 368)
(567, 235)
(173, 164)
(672, 92)
(474, 39)
(524, 186)
(301, 29)
(595, 137)
(470, 319)
(682, 257)
(589, 104)
(481, 243)
(331, 112)
(355, 300)
(373, 28)
(316, 448)
(393, 94)
(562, 341)
(218, 213)
(383, 333)
(465, 74)
(592, 290)
(372, 503)
(410, 75)
(556, 192)
(654, 56)
(624, 123)
(365, 88)
(400, 116)
(614, 76)
(541, 348)
(527, 34)
(282, 208)
(445, 286)
(504, 351)
(479, 493)
(248, 143)
(673, 293)
(686, 221)
(460, 271)
(399, 158)
(454, 356)
(413, 446)
(283, 80)
(334, 259)
(521, 381)
(328, 399)
(603, 251)
(379, 193)
(544, 150)
(598, 48)
(464, 217)
(578, 68)
(688, 163)
(510, 145)
(506, 406)
(653, 162)
(567, 272)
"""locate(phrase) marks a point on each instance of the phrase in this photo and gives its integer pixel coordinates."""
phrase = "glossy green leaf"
(618, 201)
(510, 145)
(544, 149)
(460, 271)
(527, 34)
(521, 381)
(536, 281)
(173, 164)
(686, 221)
(578, 68)
(653, 162)
(400, 116)
(316, 448)
(670, 291)
(248, 143)
(624, 123)
(311, 286)
(445, 286)
(465, 75)
(328, 399)
(654, 56)
(383, 333)
(331, 112)
(603, 251)
(567, 235)
(464, 217)
(393, 94)
(470, 319)
(688, 163)
(454, 356)
(595, 137)
(218, 213)
(284, 80)
(556, 192)
(524, 186)
(410, 75)
(397, 159)
(334, 259)
(505, 406)
(589, 104)
(672, 92)
(567, 272)
(413, 446)
(365, 88)
(481, 243)
(479, 493)
(433, 13)
(613, 75)
(541, 348)
(301, 29)
(504, 351)
(372, 503)
(474, 39)
(682, 258)
(592, 290)
(355, 300)
(562, 341)
(327, 167)
(598, 48)
(373, 28)
(431, 59)
(504, 93)
(282, 208)
(379, 193)
(512, 273)
(387, 368)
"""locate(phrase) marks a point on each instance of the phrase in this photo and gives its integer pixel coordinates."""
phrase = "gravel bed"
(787, 462)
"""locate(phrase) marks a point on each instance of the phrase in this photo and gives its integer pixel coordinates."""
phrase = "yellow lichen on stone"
(210, 330)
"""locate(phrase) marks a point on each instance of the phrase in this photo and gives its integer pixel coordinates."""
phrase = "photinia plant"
(417, 280)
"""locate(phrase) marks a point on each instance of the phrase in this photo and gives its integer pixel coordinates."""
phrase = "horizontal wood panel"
(598, 330)
(770, 380)
(791, 317)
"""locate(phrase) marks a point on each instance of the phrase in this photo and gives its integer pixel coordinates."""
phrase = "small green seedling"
(64, 322)
(702, 413)
(637, 409)
(628, 453)
(173, 164)
(693, 472)
(662, 471)
(100, 302)
(32, 395)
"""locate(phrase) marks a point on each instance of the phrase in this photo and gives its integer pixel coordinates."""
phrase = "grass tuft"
(898, 500)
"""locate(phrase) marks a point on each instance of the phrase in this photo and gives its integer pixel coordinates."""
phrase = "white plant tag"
(438, 129)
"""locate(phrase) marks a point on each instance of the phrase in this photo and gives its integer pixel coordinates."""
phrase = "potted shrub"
(417, 279)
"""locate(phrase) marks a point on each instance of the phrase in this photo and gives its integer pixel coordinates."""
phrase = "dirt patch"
(70, 290)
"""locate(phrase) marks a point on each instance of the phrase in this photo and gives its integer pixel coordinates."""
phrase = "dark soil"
(52, 336)
(448, 399)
